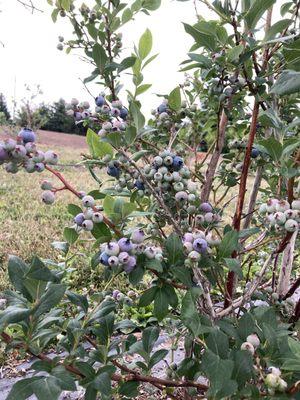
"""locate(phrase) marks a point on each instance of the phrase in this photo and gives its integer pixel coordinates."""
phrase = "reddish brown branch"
(292, 289)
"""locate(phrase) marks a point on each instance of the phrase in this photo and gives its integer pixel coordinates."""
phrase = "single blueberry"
(113, 171)
(162, 108)
(177, 163)
(139, 185)
(104, 258)
(123, 113)
(79, 219)
(99, 100)
(254, 153)
(27, 135)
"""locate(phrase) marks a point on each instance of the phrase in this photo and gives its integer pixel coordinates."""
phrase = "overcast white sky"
(29, 55)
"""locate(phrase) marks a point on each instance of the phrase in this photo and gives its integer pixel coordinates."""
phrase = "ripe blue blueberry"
(125, 244)
(3, 154)
(254, 153)
(138, 236)
(27, 135)
(177, 163)
(123, 113)
(200, 245)
(79, 218)
(206, 207)
(99, 100)
(39, 167)
(104, 257)
(139, 185)
(113, 171)
(162, 108)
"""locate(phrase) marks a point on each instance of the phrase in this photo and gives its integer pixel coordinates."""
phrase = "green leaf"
(234, 53)
(202, 37)
(157, 357)
(79, 300)
(183, 274)
(99, 56)
(219, 373)
(234, 265)
(243, 367)
(161, 303)
(54, 14)
(17, 269)
(138, 118)
(256, 11)
(127, 15)
(228, 244)
(273, 148)
(101, 232)
(70, 235)
(127, 63)
(174, 249)
(204, 62)
(49, 299)
(217, 342)
(291, 365)
(287, 83)
(294, 346)
(40, 272)
(129, 389)
(147, 297)
(145, 44)
(174, 99)
(13, 314)
(278, 27)
(22, 389)
(130, 134)
(73, 209)
(142, 88)
(150, 336)
(151, 5)
(102, 383)
(97, 147)
(189, 314)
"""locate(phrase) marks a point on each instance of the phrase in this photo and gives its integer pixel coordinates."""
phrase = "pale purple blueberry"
(97, 217)
(78, 116)
(209, 217)
(130, 265)
(199, 219)
(105, 109)
(112, 249)
(88, 213)
(79, 218)
(74, 102)
(181, 196)
(88, 201)
(188, 237)
(200, 245)
(81, 194)
(30, 147)
(115, 112)
(212, 239)
(104, 257)
(123, 257)
(115, 293)
(138, 236)
(107, 126)
(48, 197)
(102, 133)
(125, 244)
(19, 152)
(205, 207)
(9, 144)
(85, 105)
(27, 135)
(39, 167)
(3, 155)
(113, 261)
(88, 225)
(46, 185)
(38, 156)
(51, 157)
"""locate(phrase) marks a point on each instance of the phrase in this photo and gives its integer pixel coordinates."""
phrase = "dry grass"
(28, 227)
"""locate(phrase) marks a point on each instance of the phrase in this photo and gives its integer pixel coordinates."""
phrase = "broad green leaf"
(157, 357)
(78, 299)
(203, 39)
(49, 299)
(73, 209)
(150, 336)
(101, 232)
(174, 99)
(152, 5)
(234, 53)
(138, 118)
(287, 83)
(17, 269)
(174, 249)
(256, 11)
(273, 147)
(129, 389)
(147, 297)
(142, 88)
(145, 44)
(127, 63)
(102, 383)
(183, 274)
(97, 147)
(278, 27)
(99, 56)
(22, 389)
(234, 265)
(161, 303)
(228, 244)
(189, 313)
(13, 314)
(217, 342)
(204, 61)
(70, 235)
(40, 272)
(127, 15)
(243, 367)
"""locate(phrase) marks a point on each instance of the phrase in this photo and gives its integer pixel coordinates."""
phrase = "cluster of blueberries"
(198, 243)
(92, 214)
(122, 253)
(23, 153)
(114, 114)
(242, 144)
(281, 215)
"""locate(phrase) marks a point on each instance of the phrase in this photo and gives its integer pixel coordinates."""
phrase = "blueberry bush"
(199, 210)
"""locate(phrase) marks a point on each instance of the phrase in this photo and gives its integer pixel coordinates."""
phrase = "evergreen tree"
(3, 107)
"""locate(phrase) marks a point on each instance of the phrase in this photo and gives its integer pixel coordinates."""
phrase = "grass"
(28, 227)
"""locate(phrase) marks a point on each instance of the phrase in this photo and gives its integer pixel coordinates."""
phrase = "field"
(28, 226)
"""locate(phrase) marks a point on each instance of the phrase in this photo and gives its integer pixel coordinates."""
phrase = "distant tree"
(3, 107)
